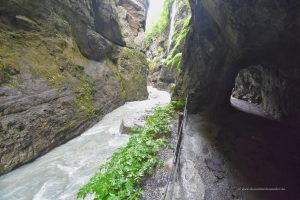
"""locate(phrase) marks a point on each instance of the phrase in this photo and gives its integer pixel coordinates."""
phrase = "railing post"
(180, 120)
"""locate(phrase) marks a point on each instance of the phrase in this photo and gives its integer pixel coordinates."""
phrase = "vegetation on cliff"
(174, 57)
(162, 24)
(165, 66)
(41, 53)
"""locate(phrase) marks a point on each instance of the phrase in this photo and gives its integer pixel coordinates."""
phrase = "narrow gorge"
(63, 66)
(93, 92)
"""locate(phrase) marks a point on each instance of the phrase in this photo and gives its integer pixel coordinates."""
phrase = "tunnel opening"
(248, 94)
(256, 136)
(264, 90)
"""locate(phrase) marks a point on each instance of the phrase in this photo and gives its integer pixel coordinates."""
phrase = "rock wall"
(132, 15)
(227, 36)
(165, 66)
(63, 65)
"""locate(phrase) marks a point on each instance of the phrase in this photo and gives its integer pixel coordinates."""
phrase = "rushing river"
(59, 174)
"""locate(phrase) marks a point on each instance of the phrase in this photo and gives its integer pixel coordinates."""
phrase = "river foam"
(60, 173)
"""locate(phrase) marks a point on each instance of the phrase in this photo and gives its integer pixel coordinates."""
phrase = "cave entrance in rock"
(247, 94)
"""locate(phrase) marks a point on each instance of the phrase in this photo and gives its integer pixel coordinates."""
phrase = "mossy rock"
(133, 80)
(131, 70)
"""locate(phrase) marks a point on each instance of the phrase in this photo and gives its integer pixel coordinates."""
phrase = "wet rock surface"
(248, 107)
(63, 65)
(246, 156)
(227, 36)
(237, 159)
(34, 123)
(132, 15)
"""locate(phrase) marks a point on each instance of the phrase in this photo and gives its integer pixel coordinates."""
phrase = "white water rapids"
(59, 174)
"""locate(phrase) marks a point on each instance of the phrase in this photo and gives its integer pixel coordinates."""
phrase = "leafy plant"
(179, 104)
(120, 177)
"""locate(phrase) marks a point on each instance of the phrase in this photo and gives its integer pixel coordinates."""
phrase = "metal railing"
(176, 161)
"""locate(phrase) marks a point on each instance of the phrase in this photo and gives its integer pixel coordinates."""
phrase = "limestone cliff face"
(227, 36)
(63, 65)
(166, 55)
(132, 15)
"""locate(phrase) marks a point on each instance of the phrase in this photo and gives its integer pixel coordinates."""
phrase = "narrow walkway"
(201, 174)
(248, 107)
(244, 157)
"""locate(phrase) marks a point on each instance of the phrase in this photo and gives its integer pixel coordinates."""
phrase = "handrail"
(177, 153)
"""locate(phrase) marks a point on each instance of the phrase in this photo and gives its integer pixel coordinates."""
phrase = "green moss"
(7, 76)
(53, 57)
(84, 100)
(179, 37)
(114, 68)
(4, 75)
(175, 62)
(155, 62)
(133, 56)
(133, 79)
(13, 83)
(162, 24)
(187, 4)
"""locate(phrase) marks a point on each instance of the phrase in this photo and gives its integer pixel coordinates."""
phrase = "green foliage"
(178, 37)
(162, 24)
(175, 62)
(159, 121)
(84, 100)
(187, 4)
(179, 104)
(120, 177)
(135, 130)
